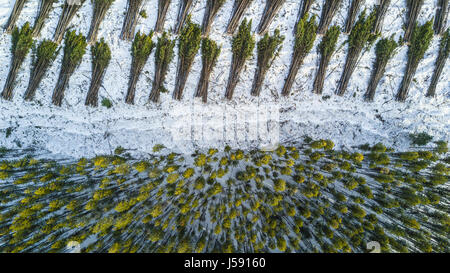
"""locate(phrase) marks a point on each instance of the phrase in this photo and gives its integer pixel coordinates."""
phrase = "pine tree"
(242, 47)
(188, 46)
(420, 41)
(45, 7)
(140, 51)
(352, 14)
(210, 54)
(328, 11)
(212, 8)
(441, 17)
(271, 9)
(100, 8)
(361, 36)
(444, 49)
(74, 49)
(327, 48)
(414, 7)
(304, 8)
(163, 57)
(239, 8)
(384, 51)
(131, 19)
(304, 41)
(101, 56)
(17, 9)
(268, 48)
(22, 41)
(163, 6)
(183, 11)
(43, 57)
(70, 8)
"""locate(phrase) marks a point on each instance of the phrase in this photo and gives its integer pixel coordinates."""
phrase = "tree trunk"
(36, 76)
(203, 84)
(349, 68)
(381, 12)
(10, 83)
(97, 77)
(352, 14)
(45, 7)
(183, 11)
(67, 15)
(440, 64)
(184, 68)
(328, 11)
(238, 12)
(375, 78)
(163, 6)
(131, 19)
(17, 9)
(406, 82)
(295, 66)
(134, 77)
(97, 18)
(212, 8)
(320, 76)
(63, 82)
(414, 7)
(271, 9)
(440, 19)
(233, 79)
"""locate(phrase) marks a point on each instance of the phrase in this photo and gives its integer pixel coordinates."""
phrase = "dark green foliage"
(420, 139)
(420, 42)
(326, 48)
(242, 46)
(74, 49)
(101, 56)
(267, 48)
(106, 103)
(414, 7)
(210, 54)
(22, 41)
(304, 41)
(43, 57)
(140, 51)
(444, 50)
(384, 51)
(163, 57)
(188, 46)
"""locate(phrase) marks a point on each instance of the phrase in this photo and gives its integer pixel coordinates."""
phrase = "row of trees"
(305, 198)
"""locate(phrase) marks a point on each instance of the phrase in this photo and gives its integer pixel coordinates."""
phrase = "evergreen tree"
(101, 56)
(17, 9)
(45, 7)
(100, 8)
(188, 46)
(163, 6)
(212, 8)
(328, 11)
(163, 57)
(414, 7)
(242, 47)
(43, 57)
(22, 41)
(420, 41)
(131, 19)
(304, 41)
(271, 9)
(210, 54)
(239, 8)
(140, 51)
(352, 14)
(74, 49)
(183, 11)
(441, 17)
(70, 8)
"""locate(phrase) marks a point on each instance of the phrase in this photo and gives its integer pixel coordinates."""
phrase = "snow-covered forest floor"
(77, 130)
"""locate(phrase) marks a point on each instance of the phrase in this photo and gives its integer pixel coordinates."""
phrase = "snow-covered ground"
(77, 130)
